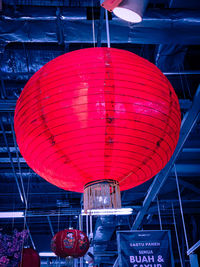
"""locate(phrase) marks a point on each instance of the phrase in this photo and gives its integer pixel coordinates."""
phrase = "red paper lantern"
(97, 114)
(30, 258)
(70, 242)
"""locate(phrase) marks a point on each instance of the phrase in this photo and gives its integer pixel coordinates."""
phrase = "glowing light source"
(131, 10)
(122, 211)
(47, 254)
(10, 214)
(69, 244)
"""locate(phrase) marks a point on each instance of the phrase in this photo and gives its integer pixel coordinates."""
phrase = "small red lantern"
(70, 242)
(30, 258)
(98, 120)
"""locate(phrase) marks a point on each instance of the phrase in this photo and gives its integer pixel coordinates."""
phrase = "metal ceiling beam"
(188, 185)
(53, 3)
(187, 125)
(158, 27)
(193, 248)
(23, 77)
(7, 105)
(185, 169)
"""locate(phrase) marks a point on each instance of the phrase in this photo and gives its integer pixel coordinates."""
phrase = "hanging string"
(80, 222)
(93, 26)
(26, 208)
(181, 208)
(186, 81)
(25, 226)
(107, 29)
(11, 160)
(81, 229)
(182, 83)
(159, 216)
(177, 239)
(58, 226)
(91, 231)
(18, 159)
(87, 225)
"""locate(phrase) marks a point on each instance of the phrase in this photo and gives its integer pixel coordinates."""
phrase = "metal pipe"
(100, 27)
(107, 29)
(159, 216)
(87, 225)
(3, 89)
(193, 248)
(152, 15)
(50, 225)
(186, 72)
(91, 234)
(93, 26)
(32, 242)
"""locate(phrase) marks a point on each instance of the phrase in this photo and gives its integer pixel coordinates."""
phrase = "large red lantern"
(70, 243)
(30, 258)
(97, 116)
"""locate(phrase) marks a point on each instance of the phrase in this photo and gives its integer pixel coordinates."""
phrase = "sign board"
(145, 249)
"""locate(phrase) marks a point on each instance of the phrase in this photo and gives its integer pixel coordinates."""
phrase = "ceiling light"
(47, 254)
(123, 211)
(10, 214)
(131, 10)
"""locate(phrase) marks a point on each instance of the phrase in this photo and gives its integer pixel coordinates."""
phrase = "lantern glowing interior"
(70, 243)
(30, 258)
(97, 114)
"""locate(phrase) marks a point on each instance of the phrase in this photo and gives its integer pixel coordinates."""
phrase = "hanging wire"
(58, 226)
(11, 161)
(181, 208)
(25, 226)
(107, 29)
(182, 83)
(18, 159)
(91, 230)
(177, 239)
(186, 81)
(159, 216)
(25, 213)
(80, 222)
(87, 225)
(81, 229)
(93, 25)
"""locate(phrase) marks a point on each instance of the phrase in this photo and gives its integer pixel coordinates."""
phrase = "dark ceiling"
(33, 32)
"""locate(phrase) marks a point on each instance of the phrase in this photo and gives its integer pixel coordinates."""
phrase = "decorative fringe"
(102, 194)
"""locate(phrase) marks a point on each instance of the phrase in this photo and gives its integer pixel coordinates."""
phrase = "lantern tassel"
(102, 194)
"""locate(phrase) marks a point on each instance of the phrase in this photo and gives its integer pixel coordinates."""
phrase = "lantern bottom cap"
(101, 195)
